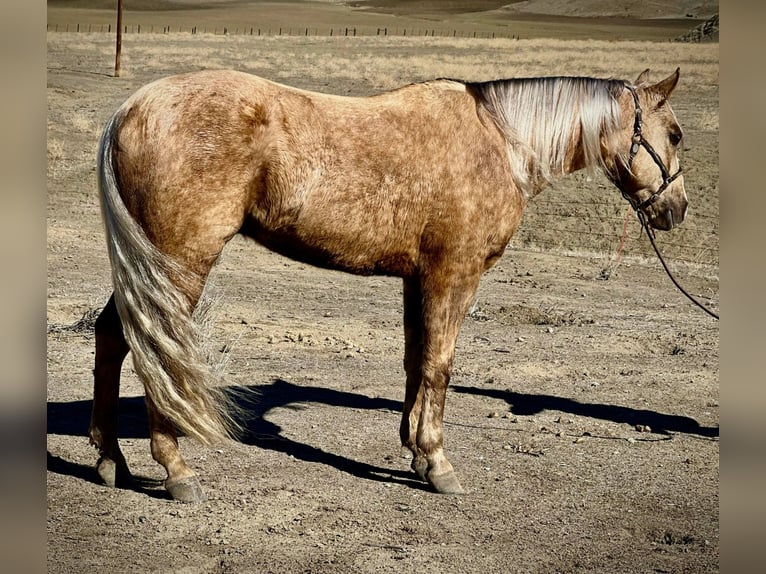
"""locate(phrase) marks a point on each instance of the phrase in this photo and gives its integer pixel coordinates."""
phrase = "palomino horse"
(427, 183)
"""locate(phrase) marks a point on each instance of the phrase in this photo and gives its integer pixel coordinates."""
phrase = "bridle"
(637, 142)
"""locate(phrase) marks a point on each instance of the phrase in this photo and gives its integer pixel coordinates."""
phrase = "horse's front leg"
(445, 300)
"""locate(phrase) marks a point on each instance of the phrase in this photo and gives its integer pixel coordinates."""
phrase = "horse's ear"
(664, 88)
(642, 77)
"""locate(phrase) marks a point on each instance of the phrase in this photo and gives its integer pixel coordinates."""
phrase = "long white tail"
(156, 316)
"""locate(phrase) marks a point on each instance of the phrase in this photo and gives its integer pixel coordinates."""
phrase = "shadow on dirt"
(257, 400)
(252, 403)
(529, 404)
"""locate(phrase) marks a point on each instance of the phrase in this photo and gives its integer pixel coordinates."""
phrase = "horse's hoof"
(113, 473)
(186, 490)
(446, 483)
(420, 465)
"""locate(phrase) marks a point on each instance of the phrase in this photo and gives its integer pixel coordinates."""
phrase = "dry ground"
(583, 413)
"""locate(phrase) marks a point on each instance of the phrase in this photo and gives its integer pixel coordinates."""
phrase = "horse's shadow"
(253, 403)
(531, 404)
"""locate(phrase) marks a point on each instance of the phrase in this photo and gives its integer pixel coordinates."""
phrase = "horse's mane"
(540, 117)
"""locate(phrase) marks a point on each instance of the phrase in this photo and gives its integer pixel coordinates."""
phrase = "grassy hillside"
(660, 20)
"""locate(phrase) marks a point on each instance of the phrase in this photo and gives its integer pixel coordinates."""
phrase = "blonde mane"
(541, 118)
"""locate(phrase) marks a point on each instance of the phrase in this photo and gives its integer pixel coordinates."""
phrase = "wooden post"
(119, 40)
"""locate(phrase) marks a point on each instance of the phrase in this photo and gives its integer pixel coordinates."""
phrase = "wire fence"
(353, 31)
(593, 217)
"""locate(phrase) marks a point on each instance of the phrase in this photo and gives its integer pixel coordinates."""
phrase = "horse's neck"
(575, 155)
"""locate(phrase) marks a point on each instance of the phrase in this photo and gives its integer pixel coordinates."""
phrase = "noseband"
(638, 141)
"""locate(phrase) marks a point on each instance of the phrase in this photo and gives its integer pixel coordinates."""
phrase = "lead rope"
(650, 235)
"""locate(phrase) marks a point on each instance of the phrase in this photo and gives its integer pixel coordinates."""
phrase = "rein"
(638, 142)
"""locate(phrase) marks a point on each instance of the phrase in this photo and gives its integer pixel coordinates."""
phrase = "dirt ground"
(582, 417)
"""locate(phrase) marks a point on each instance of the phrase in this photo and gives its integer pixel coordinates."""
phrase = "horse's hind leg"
(413, 358)
(182, 482)
(111, 350)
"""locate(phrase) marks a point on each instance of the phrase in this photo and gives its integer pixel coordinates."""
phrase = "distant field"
(485, 18)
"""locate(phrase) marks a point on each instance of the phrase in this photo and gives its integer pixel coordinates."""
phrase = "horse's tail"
(150, 291)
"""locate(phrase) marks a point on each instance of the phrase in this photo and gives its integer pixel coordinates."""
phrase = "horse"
(426, 182)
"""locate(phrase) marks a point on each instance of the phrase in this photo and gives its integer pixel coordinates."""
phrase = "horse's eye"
(675, 138)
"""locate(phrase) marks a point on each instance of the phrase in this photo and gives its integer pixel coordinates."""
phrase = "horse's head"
(649, 174)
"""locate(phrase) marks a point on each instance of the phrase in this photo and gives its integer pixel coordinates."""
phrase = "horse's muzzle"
(666, 215)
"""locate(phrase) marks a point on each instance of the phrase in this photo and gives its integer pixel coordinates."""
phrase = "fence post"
(118, 48)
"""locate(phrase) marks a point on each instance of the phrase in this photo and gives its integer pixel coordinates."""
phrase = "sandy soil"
(583, 415)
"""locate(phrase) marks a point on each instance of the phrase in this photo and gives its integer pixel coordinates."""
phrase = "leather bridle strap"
(637, 142)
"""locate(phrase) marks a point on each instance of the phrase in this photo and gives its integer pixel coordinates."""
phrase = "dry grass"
(393, 60)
